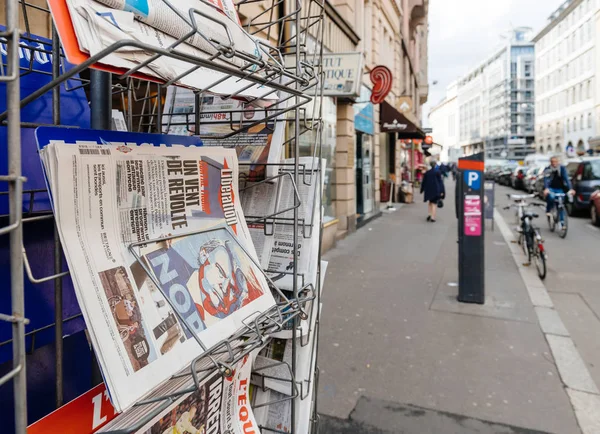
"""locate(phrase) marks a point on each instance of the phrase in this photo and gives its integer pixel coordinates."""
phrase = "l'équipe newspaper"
(111, 189)
(220, 405)
(258, 149)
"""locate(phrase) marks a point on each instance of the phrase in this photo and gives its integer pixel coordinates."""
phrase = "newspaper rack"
(142, 105)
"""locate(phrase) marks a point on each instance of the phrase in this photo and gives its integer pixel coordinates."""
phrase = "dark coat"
(433, 185)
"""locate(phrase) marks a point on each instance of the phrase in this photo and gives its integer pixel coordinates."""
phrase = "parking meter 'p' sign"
(471, 229)
(473, 179)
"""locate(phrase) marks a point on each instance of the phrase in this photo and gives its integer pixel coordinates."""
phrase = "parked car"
(538, 187)
(503, 176)
(531, 177)
(595, 207)
(585, 177)
(517, 179)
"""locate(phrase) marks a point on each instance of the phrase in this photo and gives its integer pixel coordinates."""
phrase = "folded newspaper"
(98, 25)
(220, 405)
(259, 148)
(275, 245)
(195, 269)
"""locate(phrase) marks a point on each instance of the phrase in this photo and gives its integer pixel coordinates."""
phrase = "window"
(574, 124)
(589, 122)
(581, 122)
(589, 89)
(581, 95)
(568, 125)
(527, 69)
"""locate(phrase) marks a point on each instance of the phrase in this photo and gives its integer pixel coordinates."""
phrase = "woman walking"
(433, 187)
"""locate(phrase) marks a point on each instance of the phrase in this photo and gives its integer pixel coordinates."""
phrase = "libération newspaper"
(259, 148)
(113, 189)
(90, 26)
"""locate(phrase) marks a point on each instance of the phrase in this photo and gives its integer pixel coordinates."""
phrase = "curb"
(579, 385)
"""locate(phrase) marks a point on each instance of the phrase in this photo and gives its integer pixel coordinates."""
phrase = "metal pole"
(295, 236)
(101, 107)
(58, 296)
(100, 99)
(15, 192)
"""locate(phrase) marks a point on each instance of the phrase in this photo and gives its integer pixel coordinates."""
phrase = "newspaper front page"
(112, 189)
(259, 149)
(219, 406)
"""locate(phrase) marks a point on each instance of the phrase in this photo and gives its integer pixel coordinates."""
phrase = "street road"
(573, 279)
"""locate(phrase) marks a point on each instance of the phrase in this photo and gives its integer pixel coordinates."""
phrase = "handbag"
(440, 203)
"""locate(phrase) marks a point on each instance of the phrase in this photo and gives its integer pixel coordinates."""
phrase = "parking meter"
(471, 229)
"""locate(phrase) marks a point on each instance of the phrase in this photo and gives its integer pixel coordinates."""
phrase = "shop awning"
(392, 121)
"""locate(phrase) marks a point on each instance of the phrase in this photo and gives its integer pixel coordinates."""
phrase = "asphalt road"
(573, 279)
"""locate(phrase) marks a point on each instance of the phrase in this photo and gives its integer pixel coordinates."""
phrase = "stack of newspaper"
(159, 252)
(274, 386)
(258, 148)
(195, 29)
(274, 241)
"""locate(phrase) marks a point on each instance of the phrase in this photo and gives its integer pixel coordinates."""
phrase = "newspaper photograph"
(218, 275)
(111, 189)
(87, 27)
(258, 149)
(220, 406)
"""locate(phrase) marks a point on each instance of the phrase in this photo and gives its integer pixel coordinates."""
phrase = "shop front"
(364, 163)
(402, 147)
(341, 88)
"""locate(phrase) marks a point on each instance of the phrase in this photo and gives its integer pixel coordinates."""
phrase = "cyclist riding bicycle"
(556, 181)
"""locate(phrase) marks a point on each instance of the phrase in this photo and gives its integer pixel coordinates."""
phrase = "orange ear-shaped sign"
(429, 140)
(381, 77)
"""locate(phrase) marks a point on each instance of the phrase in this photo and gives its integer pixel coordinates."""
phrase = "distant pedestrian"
(433, 187)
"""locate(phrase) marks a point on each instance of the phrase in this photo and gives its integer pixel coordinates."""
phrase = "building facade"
(566, 104)
(392, 33)
(494, 103)
(444, 121)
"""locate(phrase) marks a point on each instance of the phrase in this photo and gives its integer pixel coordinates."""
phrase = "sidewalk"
(393, 336)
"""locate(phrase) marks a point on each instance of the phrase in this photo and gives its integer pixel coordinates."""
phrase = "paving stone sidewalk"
(392, 333)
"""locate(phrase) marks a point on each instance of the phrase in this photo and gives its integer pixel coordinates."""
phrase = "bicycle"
(559, 214)
(530, 238)
(519, 199)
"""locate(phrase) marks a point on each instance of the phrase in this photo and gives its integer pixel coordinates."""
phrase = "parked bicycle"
(559, 218)
(530, 238)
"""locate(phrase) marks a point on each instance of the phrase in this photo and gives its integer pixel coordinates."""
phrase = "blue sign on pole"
(473, 179)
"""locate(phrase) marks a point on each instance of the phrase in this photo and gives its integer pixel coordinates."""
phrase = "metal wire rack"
(285, 66)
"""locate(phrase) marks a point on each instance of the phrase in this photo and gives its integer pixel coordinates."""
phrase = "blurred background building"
(492, 107)
(565, 79)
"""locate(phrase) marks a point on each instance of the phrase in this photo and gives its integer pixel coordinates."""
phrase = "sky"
(462, 33)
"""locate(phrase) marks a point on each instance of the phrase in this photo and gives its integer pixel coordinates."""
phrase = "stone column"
(344, 184)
